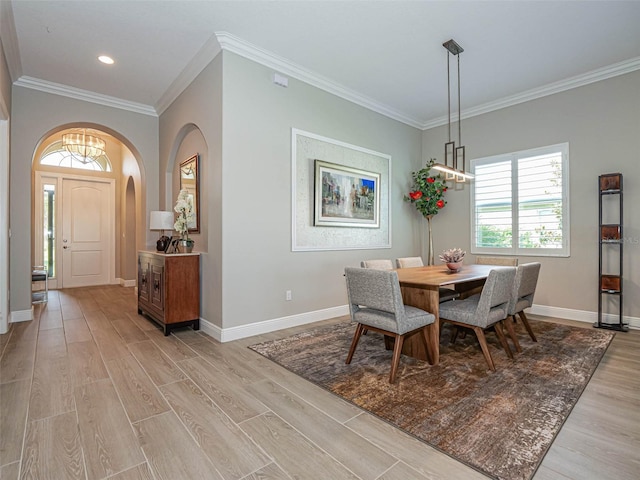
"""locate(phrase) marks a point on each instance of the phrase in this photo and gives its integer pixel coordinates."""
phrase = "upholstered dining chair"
(481, 312)
(445, 294)
(524, 288)
(375, 304)
(383, 264)
(502, 261)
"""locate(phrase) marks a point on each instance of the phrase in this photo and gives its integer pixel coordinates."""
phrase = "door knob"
(65, 246)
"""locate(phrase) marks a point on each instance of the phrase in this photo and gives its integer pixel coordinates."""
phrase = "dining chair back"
(524, 288)
(486, 310)
(444, 294)
(409, 262)
(382, 264)
(375, 303)
(502, 261)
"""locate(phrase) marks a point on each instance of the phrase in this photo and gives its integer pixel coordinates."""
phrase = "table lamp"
(161, 221)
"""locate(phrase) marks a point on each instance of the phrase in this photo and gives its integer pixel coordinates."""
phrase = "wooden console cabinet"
(169, 288)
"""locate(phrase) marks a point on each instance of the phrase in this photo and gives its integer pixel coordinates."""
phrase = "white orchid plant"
(453, 255)
(186, 217)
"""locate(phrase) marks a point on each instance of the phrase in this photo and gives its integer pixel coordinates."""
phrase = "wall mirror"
(189, 171)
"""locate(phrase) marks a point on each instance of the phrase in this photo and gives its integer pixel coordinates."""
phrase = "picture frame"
(190, 181)
(345, 196)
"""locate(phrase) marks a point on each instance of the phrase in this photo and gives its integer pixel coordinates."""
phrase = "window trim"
(565, 251)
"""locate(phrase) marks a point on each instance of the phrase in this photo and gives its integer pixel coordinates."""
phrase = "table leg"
(428, 300)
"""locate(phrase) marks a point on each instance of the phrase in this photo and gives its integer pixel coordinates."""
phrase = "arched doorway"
(84, 204)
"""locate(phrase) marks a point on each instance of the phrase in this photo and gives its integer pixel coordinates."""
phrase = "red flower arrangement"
(427, 191)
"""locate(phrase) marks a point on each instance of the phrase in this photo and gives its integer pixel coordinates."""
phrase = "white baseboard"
(582, 315)
(21, 316)
(243, 331)
(127, 283)
(266, 326)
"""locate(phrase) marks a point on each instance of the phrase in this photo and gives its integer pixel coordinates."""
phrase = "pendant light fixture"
(454, 157)
(86, 146)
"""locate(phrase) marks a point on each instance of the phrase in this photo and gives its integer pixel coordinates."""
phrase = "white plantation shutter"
(518, 203)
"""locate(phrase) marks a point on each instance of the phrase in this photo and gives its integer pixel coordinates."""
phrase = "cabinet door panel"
(144, 280)
(157, 287)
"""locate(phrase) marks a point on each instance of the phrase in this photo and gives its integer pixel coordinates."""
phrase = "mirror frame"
(194, 164)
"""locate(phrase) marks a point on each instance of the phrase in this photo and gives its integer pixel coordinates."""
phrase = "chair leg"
(454, 334)
(354, 343)
(512, 333)
(525, 322)
(503, 339)
(485, 348)
(395, 361)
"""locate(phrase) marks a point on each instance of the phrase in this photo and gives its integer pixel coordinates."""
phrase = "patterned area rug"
(500, 423)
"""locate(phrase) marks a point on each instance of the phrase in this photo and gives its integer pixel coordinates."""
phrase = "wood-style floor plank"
(128, 330)
(50, 319)
(17, 361)
(71, 310)
(293, 451)
(109, 343)
(10, 471)
(171, 346)
(14, 403)
(85, 363)
(336, 439)
(140, 397)
(51, 345)
(51, 390)
(52, 449)
(170, 450)
(156, 364)
(231, 397)
(76, 330)
(108, 441)
(270, 472)
(139, 472)
(226, 445)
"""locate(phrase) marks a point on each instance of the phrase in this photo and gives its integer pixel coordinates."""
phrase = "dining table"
(420, 287)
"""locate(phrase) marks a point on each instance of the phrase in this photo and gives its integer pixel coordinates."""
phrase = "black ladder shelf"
(611, 237)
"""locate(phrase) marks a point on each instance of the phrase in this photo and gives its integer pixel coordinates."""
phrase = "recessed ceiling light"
(106, 59)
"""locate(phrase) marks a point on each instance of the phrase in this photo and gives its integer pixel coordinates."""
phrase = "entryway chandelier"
(87, 146)
(453, 156)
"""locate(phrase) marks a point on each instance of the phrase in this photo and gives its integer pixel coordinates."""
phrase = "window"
(58, 156)
(519, 203)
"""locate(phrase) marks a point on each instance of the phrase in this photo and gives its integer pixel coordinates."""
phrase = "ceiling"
(386, 55)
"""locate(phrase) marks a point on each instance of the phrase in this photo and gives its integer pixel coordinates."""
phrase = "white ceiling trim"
(9, 41)
(252, 52)
(204, 57)
(84, 95)
(597, 75)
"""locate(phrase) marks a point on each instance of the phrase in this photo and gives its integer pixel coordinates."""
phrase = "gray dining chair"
(502, 261)
(445, 294)
(382, 264)
(375, 303)
(483, 311)
(524, 288)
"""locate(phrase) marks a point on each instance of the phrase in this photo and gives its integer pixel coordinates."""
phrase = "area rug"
(501, 423)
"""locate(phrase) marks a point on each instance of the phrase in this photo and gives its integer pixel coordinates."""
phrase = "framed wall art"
(346, 196)
(339, 195)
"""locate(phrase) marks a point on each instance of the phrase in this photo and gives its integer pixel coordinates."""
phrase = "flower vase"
(185, 246)
(454, 266)
(430, 244)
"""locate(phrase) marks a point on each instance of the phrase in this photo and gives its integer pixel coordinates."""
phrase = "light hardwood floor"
(91, 390)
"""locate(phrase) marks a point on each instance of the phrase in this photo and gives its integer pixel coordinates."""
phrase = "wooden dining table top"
(433, 276)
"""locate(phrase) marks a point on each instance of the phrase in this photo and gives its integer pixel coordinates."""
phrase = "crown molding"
(84, 95)
(9, 41)
(204, 57)
(593, 76)
(252, 52)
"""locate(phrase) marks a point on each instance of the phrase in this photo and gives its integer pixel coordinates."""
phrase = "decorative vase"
(185, 246)
(430, 244)
(454, 266)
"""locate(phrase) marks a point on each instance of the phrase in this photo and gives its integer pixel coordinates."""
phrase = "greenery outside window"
(519, 203)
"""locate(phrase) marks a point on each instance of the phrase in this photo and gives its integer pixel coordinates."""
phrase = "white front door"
(87, 232)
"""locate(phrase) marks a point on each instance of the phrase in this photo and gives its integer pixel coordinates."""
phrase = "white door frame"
(57, 282)
(4, 217)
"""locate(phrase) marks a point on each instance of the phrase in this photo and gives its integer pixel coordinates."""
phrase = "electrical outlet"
(287, 295)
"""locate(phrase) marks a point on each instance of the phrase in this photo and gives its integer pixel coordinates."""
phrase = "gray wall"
(601, 122)
(193, 124)
(5, 80)
(36, 114)
(258, 264)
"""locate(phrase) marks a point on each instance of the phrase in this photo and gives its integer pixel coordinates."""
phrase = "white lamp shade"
(161, 220)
